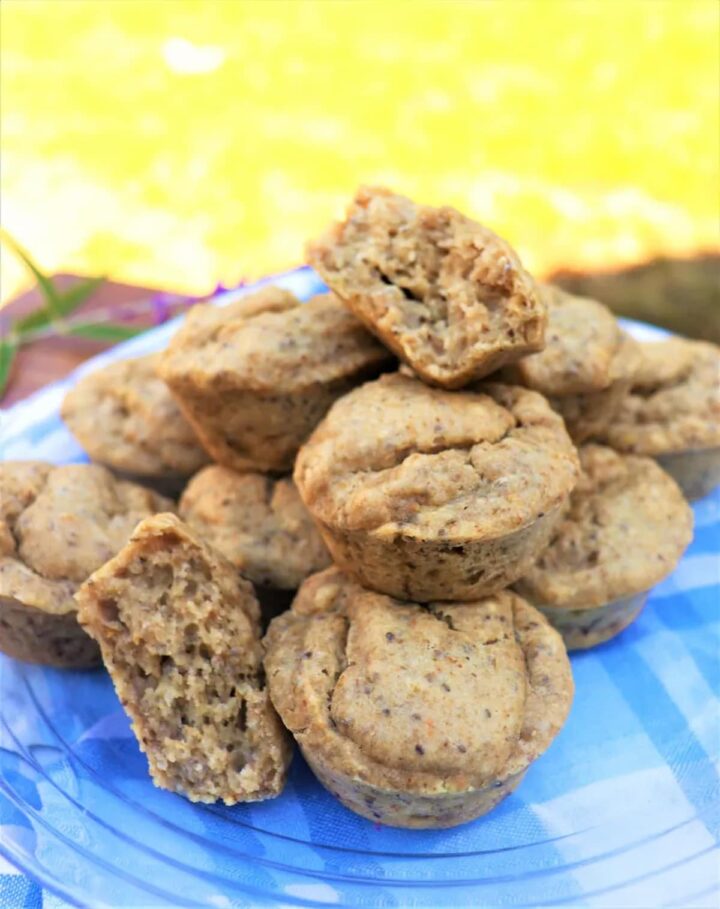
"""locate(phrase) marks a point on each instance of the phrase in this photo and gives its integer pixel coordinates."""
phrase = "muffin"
(672, 412)
(261, 525)
(179, 633)
(426, 494)
(379, 694)
(446, 294)
(255, 377)
(587, 365)
(626, 528)
(57, 525)
(125, 417)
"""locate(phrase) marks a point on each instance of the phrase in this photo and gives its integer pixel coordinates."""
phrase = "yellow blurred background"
(181, 143)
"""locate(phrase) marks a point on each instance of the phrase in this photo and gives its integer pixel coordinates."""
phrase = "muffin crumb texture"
(179, 634)
(446, 294)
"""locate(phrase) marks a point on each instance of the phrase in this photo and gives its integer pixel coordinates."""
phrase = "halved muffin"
(179, 633)
(445, 293)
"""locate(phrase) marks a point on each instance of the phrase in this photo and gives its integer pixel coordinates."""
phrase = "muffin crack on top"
(426, 494)
(376, 692)
(445, 293)
(423, 450)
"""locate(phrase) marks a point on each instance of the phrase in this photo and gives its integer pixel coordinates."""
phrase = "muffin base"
(585, 628)
(697, 472)
(409, 809)
(34, 636)
(440, 569)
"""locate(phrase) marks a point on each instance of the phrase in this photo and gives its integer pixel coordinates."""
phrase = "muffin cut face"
(259, 523)
(179, 633)
(378, 693)
(446, 294)
(57, 525)
(625, 530)
(425, 494)
(125, 417)
(255, 377)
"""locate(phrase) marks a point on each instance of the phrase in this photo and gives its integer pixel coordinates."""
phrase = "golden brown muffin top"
(585, 348)
(125, 416)
(674, 403)
(271, 342)
(259, 523)
(626, 529)
(445, 293)
(59, 524)
(385, 690)
(397, 457)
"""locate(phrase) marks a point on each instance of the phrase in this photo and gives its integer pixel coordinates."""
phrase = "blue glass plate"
(622, 811)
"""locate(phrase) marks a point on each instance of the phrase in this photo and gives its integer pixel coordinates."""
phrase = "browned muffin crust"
(427, 494)
(179, 633)
(446, 294)
(625, 530)
(125, 417)
(587, 366)
(57, 525)
(672, 412)
(257, 522)
(254, 378)
(378, 693)
(674, 404)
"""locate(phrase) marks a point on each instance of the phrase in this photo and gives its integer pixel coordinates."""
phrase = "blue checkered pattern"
(622, 811)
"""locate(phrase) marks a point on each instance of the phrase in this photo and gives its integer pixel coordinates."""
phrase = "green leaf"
(66, 303)
(101, 331)
(8, 349)
(76, 295)
(31, 323)
(47, 287)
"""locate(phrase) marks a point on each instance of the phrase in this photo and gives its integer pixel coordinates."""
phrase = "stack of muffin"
(443, 515)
